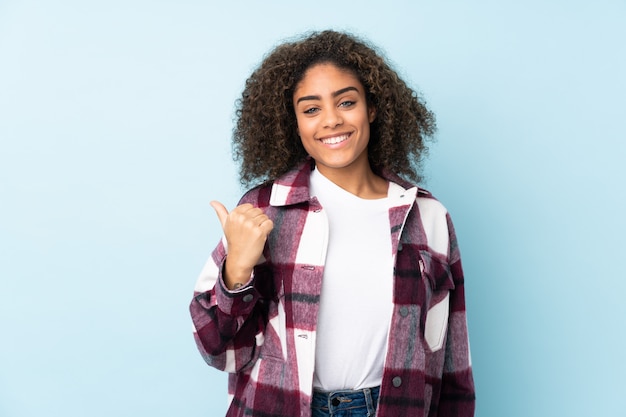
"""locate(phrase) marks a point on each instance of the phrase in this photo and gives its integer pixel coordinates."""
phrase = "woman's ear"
(371, 113)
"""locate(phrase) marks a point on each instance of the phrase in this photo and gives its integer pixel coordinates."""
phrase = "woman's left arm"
(457, 398)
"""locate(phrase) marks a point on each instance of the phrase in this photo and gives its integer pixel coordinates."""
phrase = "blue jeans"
(345, 403)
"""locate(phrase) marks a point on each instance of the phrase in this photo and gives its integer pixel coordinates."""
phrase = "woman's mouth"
(335, 139)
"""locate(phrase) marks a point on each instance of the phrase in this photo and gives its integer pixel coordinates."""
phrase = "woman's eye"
(346, 103)
(311, 110)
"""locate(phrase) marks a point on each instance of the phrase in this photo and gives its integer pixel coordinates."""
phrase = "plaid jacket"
(263, 334)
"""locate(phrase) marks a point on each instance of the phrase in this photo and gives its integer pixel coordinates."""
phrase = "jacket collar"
(293, 186)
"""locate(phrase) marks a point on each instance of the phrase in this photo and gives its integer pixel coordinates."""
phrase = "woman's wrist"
(235, 278)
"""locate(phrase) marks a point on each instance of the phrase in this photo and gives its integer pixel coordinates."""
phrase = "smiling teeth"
(334, 140)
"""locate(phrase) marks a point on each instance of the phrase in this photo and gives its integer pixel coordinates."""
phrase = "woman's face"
(333, 118)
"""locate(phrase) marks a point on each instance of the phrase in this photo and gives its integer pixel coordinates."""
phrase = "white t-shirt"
(357, 289)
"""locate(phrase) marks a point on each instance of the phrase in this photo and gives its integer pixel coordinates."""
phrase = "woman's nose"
(332, 118)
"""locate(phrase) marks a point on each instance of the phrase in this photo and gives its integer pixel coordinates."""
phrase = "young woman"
(337, 288)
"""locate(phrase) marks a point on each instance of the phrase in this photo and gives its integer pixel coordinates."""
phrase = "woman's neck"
(358, 180)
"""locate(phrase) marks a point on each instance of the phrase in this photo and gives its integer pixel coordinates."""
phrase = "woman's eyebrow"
(344, 90)
(335, 94)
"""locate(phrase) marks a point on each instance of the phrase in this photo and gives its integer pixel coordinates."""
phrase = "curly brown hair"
(266, 141)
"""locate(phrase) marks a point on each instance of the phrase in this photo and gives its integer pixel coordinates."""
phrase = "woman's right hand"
(246, 229)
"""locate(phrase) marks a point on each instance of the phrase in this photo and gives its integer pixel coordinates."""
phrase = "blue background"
(115, 124)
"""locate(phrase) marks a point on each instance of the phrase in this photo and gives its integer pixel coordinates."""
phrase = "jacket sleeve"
(228, 325)
(457, 397)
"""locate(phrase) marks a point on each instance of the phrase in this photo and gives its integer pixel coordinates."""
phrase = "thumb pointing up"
(246, 229)
(221, 211)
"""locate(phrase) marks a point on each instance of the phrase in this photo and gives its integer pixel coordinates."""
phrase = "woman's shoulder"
(258, 196)
(427, 202)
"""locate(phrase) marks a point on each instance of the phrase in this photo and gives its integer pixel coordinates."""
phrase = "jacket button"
(397, 381)
(404, 311)
(247, 298)
(399, 246)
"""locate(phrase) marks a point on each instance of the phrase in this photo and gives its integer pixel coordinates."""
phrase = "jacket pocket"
(439, 283)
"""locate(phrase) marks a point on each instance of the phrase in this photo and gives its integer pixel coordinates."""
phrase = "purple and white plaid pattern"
(263, 334)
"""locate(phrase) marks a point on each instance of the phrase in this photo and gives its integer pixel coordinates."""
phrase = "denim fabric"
(345, 403)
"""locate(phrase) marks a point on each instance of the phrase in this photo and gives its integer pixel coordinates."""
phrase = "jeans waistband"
(333, 401)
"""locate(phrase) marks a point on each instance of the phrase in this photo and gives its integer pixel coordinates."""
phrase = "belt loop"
(329, 396)
(369, 401)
